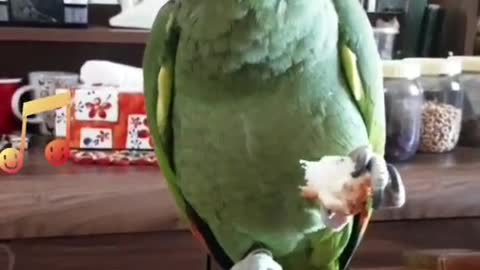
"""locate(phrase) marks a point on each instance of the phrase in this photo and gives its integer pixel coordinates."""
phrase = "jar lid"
(385, 30)
(469, 63)
(437, 66)
(400, 69)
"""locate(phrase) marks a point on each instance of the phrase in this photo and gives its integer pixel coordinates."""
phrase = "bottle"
(442, 109)
(403, 106)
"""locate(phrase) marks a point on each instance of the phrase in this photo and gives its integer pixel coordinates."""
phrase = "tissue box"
(105, 118)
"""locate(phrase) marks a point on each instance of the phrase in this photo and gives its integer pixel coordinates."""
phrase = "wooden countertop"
(440, 186)
(42, 201)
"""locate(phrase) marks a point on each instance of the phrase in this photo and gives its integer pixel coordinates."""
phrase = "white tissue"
(328, 177)
(106, 73)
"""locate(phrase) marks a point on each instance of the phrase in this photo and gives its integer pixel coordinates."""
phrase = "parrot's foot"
(259, 259)
(386, 183)
(343, 186)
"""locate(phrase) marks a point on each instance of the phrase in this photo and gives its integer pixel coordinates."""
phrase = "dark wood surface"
(169, 251)
(23, 50)
(93, 34)
(386, 242)
(20, 58)
(440, 186)
(44, 201)
(174, 250)
(460, 26)
(382, 248)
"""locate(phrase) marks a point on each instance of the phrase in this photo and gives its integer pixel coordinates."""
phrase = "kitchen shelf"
(92, 34)
(73, 200)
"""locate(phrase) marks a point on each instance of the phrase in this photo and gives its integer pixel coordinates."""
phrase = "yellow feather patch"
(165, 83)
(349, 60)
(170, 21)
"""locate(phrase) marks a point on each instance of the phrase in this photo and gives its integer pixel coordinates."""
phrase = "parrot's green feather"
(257, 86)
(349, 60)
(165, 87)
(158, 86)
(362, 65)
(362, 68)
(159, 69)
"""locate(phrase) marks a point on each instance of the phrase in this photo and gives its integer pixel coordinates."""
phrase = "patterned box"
(105, 118)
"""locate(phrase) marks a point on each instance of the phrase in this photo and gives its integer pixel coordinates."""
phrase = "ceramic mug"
(43, 84)
(8, 122)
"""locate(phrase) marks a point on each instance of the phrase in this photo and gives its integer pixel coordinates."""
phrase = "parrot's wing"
(363, 72)
(362, 68)
(158, 70)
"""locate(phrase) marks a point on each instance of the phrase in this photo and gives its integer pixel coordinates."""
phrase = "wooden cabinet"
(461, 22)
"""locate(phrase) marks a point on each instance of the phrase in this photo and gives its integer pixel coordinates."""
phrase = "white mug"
(43, 84)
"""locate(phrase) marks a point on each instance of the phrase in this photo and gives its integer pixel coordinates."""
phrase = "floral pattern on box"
(96, 138)
(61, 118)
(105, 118)
(91, 105)
(138, 133)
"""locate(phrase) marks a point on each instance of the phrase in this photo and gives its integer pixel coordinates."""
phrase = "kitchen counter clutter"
(45, 201)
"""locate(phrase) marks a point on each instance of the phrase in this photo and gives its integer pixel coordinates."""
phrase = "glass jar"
(442, 109)
(403, 107)
(470, 81)
(385, 39)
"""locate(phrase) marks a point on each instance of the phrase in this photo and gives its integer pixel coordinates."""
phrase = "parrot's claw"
(395, 193)
(362, 157)
(387, 185)
(260, 259)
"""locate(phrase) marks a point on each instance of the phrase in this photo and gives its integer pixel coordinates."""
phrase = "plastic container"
(385, 38)
(403, 105)
(442, 109)
(470, 81)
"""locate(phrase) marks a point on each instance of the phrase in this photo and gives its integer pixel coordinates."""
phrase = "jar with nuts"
(443, 105)
(403, 107)
(470, 80)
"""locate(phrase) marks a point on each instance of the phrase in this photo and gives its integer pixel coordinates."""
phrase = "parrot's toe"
(395, 196)
(387, 185)
(361, 156)
(259, 259)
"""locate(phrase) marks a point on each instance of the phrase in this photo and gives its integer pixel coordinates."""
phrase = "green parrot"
(238, 92)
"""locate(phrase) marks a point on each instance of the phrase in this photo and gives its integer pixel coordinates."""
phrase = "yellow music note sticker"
(57, 151)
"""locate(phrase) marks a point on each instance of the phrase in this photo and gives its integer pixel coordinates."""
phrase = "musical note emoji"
(57, 151)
